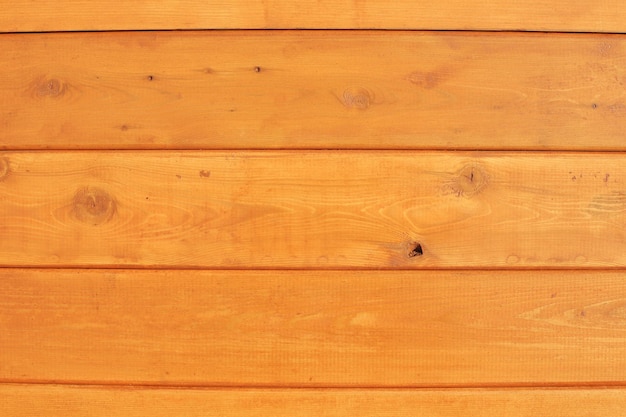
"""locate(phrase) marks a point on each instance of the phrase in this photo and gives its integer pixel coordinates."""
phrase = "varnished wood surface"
(554, 15)
(311, 219)
(63, 401)
(313, 328)
(312, 89)
(317, 209)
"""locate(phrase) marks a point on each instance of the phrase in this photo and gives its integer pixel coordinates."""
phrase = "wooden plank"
(313, 328)
(312, 209)
(320, 89)
(555, 15)
(63, 401)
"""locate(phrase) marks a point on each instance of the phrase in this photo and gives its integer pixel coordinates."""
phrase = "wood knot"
(93, 205)
(470, 180)
(605, 48)
(427, 80)
(4, 168)
(51, 88)
(358, 98)
(415, 249)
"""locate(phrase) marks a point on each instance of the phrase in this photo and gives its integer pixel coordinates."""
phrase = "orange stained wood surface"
(313, 89)
(416, 208)
(313, 209)
(314, 329)
(77, 401)
(533, 15)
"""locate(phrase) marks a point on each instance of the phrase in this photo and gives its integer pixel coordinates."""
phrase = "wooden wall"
(207, 209)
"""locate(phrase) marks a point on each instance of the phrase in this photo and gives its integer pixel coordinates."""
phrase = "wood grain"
(312, 209)
(555, 15)
(313, 328)
(312, 89)
(52, 401)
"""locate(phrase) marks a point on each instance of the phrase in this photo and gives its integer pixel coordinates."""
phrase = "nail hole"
(257, 69)
(150, 78)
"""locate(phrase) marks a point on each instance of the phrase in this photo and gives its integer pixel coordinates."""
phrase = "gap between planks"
(147, 385)
(303, 30)
(170, 268)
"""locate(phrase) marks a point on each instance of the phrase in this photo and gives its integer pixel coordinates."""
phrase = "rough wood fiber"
(312, 209)
(60, 401)
(554, 15)
(241, 90)
(313, 328)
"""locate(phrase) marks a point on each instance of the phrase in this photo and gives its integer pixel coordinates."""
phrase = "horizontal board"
(312, 89)
(554, 15)
(312, 209)
(61, 401)
(313, 328)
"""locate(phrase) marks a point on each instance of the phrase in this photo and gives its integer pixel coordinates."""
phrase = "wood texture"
(312, 209)
(58, 401)
(320, 89)
(555, 15)
(313, 328)
(312, 223)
